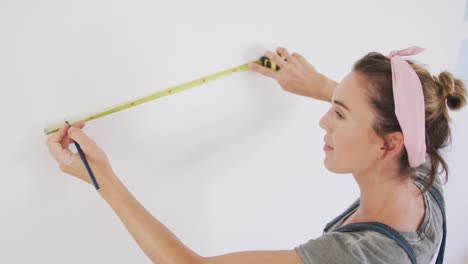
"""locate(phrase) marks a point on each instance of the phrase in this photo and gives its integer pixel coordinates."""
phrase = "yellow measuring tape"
(264, 61)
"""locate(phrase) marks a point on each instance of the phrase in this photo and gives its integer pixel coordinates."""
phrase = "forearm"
(158, 242)
(327, 88)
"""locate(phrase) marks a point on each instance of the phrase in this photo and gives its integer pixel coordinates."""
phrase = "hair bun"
(454, 102)
(454, 90)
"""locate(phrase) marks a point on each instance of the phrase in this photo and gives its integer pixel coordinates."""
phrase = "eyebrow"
(341, 104)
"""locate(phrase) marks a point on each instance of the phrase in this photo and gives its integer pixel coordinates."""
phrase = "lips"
(327, 147)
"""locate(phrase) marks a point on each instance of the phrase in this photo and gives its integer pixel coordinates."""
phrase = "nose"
(323, 122)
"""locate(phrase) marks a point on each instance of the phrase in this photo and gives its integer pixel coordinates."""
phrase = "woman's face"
(348, 125)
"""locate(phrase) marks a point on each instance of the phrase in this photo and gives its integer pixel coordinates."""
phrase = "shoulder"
(353, 247)
(422, 172)
(434, 213)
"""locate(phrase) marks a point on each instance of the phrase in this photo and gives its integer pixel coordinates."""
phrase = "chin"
(328, 165)
(334, 167)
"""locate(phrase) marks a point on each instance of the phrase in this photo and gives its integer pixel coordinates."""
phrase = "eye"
(339, 115)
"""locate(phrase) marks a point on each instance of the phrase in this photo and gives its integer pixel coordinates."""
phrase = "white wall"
(236, 164)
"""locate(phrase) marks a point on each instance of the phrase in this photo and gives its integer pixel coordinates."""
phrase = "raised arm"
(162, 246)
(297, 75)
(155, 239)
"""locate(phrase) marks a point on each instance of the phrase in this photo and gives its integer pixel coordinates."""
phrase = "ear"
(393, 144)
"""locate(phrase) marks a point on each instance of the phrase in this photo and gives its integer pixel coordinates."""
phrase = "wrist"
(110, 186)
(327, 88)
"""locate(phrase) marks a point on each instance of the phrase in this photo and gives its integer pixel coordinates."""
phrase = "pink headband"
(409, 105)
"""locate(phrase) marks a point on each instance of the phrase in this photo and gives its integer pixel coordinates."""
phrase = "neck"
(385, 197)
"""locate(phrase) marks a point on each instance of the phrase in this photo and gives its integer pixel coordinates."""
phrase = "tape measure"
(264, 61)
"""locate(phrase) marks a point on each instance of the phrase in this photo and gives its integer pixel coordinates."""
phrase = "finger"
(276, 58)
(58, 136)
(263, 70)
(79, 124)
(292, 59)
(86, 143)
(67, 140)
(298, 57)
(60, 154)
(283, 52)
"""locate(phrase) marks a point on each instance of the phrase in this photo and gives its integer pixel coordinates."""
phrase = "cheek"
(373, 137)
(354, 143)
(346, 150)
(352, 149)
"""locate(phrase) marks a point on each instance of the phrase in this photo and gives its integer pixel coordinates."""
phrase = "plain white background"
(236, 164)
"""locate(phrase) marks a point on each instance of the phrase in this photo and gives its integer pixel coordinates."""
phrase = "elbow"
(190, 259)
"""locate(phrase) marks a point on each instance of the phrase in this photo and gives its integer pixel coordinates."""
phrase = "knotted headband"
(409, 104)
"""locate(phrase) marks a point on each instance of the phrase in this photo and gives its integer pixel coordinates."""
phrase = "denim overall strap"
(440, 201)
(384, 230)
(390, 232)
(334, 221)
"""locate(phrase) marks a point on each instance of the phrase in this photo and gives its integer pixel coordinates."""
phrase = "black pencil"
(85, 161)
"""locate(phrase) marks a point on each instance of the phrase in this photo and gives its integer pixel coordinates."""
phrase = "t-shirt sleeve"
(354, 247)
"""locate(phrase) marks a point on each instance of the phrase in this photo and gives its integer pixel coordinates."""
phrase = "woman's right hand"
(296, 75)
(71, 163)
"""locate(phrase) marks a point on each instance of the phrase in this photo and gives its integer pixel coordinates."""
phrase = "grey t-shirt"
(372, 247)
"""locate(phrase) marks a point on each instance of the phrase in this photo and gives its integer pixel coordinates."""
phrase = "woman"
(387, 136)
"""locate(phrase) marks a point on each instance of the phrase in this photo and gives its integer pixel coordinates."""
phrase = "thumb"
(86, 143)
(262, 70)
